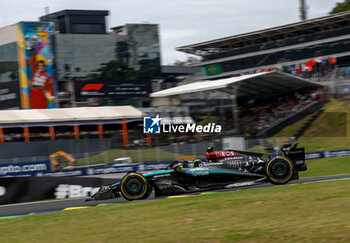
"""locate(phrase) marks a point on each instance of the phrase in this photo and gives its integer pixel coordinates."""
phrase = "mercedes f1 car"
(222, 169)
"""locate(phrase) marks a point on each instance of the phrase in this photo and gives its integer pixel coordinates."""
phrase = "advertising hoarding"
(29, 189)
(9, 95)
(122, 89)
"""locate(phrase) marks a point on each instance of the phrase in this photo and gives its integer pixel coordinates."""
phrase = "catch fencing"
(105, 153)
(42, 169)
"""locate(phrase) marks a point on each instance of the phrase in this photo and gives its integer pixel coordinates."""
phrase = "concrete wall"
(8, 53)
(8, 34)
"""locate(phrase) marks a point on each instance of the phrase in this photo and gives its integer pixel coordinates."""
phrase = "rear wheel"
(279, 170)
(135, 186)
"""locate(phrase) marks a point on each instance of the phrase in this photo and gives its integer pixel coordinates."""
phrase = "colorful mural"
(36, 66)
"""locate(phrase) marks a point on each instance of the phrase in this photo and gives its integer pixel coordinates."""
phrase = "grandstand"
(90, 134)
(262, 100)
(50, 130)
(316, 49)
(46, 123)
(309, 49)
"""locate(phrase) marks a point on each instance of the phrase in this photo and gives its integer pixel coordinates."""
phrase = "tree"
(341, 7)
(190, 60)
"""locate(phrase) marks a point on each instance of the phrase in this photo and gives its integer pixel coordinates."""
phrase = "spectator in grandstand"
(259, 118)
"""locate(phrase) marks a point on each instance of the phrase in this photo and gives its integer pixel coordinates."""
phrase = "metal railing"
(182, 150)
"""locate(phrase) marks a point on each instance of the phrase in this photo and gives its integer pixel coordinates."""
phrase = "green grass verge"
(327, 132)
(257, 149)
(327, 166)
(309, 212)
(290, 130)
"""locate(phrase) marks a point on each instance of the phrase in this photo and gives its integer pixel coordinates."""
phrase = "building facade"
(9, 78)
(85, 55)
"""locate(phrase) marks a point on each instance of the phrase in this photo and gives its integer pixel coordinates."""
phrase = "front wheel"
(279, 170)
(135, 186)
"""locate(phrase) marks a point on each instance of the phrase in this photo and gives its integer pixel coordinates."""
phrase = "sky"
(181, 22)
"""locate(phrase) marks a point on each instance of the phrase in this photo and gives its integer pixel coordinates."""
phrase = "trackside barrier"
(28, 189)
(24, 169)
(41, 169)
(84, 171)
(106, 170)
(327, 154)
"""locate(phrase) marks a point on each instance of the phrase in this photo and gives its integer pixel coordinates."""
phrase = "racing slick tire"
(148, 193)
(135, 186)
(279, 170)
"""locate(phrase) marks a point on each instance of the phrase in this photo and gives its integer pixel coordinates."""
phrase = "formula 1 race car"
(222, 169)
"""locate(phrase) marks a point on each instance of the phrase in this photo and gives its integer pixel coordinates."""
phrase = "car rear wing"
(218, 155)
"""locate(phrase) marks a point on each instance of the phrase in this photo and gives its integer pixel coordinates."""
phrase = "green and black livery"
(221, 169)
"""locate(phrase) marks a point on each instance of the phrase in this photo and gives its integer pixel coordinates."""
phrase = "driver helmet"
(196, 162)
(210, 149)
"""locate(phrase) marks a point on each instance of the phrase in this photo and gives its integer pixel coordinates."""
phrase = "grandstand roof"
(81, 115)
(258, 84)
(311, 26)
(171, 69)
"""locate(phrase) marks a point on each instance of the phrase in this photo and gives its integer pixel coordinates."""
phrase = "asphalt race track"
(57, 205)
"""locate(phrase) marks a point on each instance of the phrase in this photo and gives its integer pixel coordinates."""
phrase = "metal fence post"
(176, 150)
(139, 152)
(86, 156)
(124, 152)
(158, 153)
(194, 149)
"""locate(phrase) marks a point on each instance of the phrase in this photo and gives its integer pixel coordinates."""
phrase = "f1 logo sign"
(95, 87)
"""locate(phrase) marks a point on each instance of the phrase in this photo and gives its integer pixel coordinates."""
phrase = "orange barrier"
(1, 135)
(26, 134)
(76, 132)
(52, 133)
(100, 130)
(125, 131)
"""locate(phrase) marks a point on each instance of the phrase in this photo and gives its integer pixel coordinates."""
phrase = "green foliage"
(115, 70)
(188, 62)
(341, 7)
